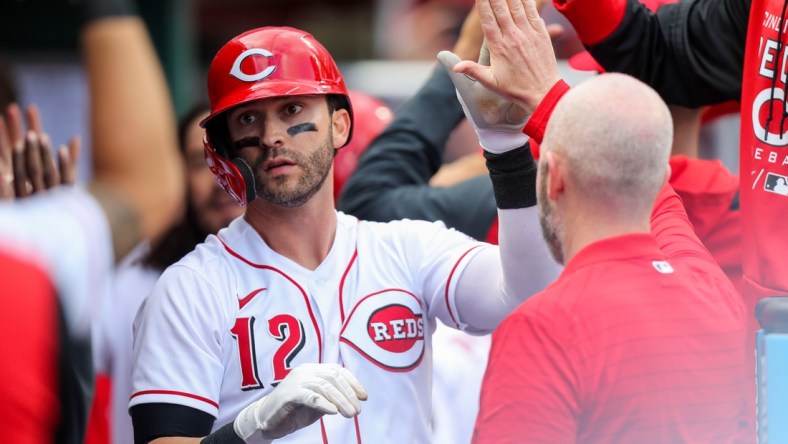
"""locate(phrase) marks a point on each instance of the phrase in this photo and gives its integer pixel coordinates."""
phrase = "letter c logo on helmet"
(240, 75)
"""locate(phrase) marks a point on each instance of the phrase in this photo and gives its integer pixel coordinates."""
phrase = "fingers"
(6, 164)
(33, 162)
(21, 185)
(68, 156)
(49, 167)
(460, 70)
(34, 119)
(355, 384)
(532, 13)
(341, 389)
(555, 31)
(490, 27)
(518, 13)
(16, 132)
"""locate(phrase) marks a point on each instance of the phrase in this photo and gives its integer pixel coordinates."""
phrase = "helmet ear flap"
(234, 176)
(247, 176)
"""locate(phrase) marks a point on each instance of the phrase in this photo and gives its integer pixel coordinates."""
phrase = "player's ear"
(668, 172)
(340, 126)
(555, 175)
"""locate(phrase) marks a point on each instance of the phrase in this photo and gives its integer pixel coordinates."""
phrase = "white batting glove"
(497, 121)
(308, 392)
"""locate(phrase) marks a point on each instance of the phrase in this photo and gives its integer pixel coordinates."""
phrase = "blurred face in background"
(213, 207)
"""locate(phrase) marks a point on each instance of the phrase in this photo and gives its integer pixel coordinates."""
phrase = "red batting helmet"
(259, 64)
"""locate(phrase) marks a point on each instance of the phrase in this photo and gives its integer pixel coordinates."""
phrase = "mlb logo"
(662, 266)
(777, 184)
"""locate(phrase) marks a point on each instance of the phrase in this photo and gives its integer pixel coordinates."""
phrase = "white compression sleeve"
(496, 280)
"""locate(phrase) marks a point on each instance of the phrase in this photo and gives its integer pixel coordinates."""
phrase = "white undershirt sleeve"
(496, 280)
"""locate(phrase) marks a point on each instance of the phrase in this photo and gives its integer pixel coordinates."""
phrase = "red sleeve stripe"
(342, 286)
(537, 123)
(173, 392)
(448, 284)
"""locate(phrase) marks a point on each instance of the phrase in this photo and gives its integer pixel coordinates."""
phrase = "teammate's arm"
(138, 179)
(692, 53)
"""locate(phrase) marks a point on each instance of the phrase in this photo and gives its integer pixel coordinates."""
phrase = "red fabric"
(763, 159)
(30, 349)
(707, 189)
(712, 113)
(537, 123)
(593, 20)
(617, 351)
(98, 431)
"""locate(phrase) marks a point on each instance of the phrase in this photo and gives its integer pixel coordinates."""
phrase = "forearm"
(523, 264)
(497, 280)
(135, 153)
(672, 229)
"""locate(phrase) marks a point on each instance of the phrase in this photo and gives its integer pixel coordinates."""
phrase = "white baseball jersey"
(112, 336)
(225, 324)
(67, 233)
(459, 361)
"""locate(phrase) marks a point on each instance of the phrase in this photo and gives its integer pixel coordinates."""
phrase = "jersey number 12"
(284, 328)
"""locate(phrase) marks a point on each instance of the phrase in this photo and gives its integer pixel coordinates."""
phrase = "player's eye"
(292, 109)
(247, 118)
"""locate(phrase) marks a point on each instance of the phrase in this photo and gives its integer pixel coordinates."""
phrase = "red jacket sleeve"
(537, 123)
(672, 229)
(593, 20)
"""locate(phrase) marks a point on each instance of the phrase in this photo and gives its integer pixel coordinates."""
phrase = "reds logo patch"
(388, 329)
(238, 72)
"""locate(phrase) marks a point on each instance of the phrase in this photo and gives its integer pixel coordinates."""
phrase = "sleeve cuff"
(593, 20)
(538, 122)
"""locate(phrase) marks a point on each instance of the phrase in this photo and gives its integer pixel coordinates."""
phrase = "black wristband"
(225, 435)
(513, 176)
(99, 9)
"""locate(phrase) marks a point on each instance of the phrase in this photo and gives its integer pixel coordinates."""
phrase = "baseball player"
(208, 210)
(634, 270)
(296, 311)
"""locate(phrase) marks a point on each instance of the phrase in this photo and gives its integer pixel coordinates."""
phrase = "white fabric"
(112, 336)
(375, 317)
(459, 361)
(66, 232)
(527, 264)
(307, 393)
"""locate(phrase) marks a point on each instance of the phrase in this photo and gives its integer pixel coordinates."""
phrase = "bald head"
(614, 134)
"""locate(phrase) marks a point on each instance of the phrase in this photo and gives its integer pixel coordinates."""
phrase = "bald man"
(642, 338)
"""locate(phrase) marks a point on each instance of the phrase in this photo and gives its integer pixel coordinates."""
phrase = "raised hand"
(27, 164)
(522, 67)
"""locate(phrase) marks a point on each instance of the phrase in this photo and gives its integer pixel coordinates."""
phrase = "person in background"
(208, 209)
(710, 192)
(57, 247)
(634, 269)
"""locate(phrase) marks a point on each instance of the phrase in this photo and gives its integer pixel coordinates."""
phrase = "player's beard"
(552, 227)
(315, 168)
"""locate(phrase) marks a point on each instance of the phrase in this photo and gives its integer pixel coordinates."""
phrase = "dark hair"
(184, 235)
